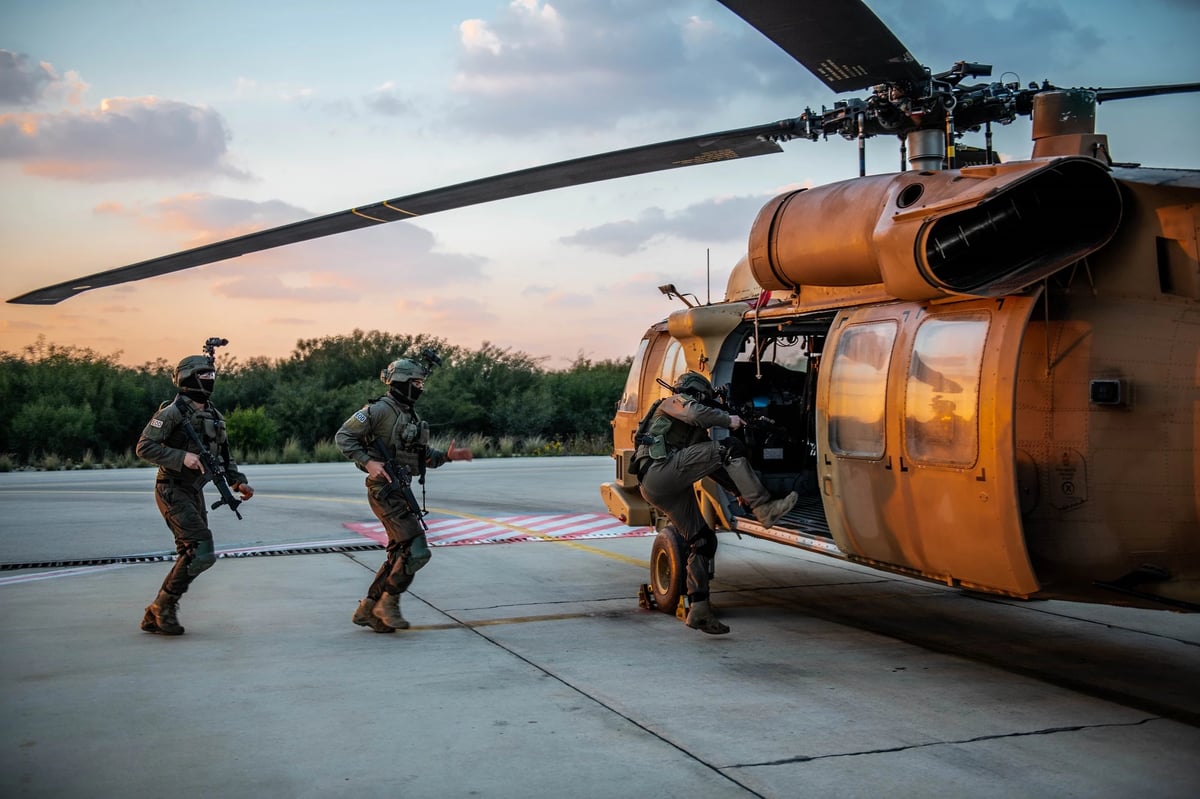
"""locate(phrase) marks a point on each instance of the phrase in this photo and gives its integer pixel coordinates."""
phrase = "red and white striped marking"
(452, 532)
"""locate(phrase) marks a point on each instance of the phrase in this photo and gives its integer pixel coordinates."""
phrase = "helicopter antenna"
(708, 278)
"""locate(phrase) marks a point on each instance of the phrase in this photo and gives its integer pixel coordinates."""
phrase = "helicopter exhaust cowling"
(979, 231)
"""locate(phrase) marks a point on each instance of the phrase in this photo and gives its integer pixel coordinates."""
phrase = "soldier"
(178, 488)
(393, 419)
(674, 451)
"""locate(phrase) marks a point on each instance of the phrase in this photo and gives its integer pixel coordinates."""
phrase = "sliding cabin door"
(915, 440)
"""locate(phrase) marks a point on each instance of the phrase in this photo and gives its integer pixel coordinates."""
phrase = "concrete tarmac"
(531, 672)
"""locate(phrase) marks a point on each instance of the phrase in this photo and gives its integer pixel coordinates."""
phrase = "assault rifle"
(720, 401)
(214, 471)
(401, 481)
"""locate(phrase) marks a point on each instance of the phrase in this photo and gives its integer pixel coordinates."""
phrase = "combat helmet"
(399, 375)
(693, 384)
(195, 376)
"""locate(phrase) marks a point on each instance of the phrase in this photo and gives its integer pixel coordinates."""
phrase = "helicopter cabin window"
(942, 395)
(674, 364)
(629, 397)
(858, 389)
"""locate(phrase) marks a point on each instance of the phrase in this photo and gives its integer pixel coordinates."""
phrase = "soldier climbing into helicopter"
(674, 450)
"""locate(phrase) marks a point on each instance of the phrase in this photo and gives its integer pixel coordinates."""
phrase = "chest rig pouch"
(413, 434)
(659, 429)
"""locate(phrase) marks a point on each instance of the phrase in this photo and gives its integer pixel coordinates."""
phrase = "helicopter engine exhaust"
(979, 231)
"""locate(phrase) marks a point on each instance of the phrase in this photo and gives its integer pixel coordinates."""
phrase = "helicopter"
(975, 372)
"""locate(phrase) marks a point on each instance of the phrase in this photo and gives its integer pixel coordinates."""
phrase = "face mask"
(199, 387)
(407, 392)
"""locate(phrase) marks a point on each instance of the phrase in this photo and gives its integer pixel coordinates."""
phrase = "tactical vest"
(408, 434)
(208, 424)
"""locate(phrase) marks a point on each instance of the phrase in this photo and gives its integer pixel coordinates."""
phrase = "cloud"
(142, 137)
(23, 83)
(583, 64)
(206, 218)
(386, 100)
(1032, 34)
(548, 297)
(442, 314)
(307, 288)
(387, 260)
(716, 220)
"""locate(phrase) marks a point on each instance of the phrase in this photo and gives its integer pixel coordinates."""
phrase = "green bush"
(251, 429)
(325, 451)
(293, 452)
(62, 401)
(53, 426)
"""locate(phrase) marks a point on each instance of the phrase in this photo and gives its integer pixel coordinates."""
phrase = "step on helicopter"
(979, 373)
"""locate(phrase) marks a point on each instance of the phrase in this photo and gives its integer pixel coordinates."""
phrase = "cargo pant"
(182, 507)
(403, 532)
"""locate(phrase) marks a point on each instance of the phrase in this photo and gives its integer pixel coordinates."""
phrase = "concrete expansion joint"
(977, 739)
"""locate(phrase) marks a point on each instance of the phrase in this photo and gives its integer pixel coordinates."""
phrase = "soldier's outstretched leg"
(768, 511)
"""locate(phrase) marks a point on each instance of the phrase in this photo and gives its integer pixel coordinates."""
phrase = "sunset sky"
(131, 129)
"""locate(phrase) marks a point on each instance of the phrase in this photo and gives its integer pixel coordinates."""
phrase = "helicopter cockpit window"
(629, 397)
(858, 389)
(942, 396)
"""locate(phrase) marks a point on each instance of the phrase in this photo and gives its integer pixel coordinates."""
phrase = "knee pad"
(203, 557)
(733, 448)
(704, 543)
(418, 555)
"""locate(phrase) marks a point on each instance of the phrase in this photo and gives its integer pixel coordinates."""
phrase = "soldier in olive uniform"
(393, 419)
(674, 451)
(178, 488)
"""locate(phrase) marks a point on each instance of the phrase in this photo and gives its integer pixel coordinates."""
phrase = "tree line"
(74, 404)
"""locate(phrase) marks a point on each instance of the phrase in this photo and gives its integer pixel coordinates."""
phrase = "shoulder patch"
(361, 416)
(156, 423)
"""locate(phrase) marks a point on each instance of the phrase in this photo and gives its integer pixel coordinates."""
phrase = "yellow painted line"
(498, 622)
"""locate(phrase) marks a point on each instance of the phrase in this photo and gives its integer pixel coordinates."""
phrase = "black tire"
(668, 569)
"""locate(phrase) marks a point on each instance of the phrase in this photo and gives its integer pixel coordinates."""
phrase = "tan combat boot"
(770, 512)
(387, 610)
(700, 617)
(364, 617)
(160, 615)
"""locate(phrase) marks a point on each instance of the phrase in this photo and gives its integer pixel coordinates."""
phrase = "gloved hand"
(454, 453)
(244, 489)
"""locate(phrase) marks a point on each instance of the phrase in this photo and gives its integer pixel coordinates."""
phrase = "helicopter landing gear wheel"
(668, 569)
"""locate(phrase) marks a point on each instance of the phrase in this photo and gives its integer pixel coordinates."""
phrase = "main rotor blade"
(842, 42)
(741, 143)
(1144, 91)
